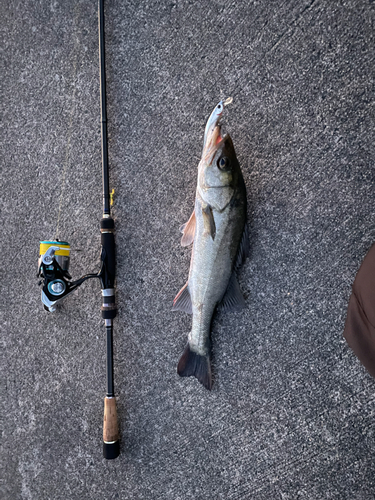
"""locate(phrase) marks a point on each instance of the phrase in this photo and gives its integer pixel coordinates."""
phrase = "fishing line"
(70, 127)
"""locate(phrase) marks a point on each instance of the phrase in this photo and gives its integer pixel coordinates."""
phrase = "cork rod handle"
(111, 445)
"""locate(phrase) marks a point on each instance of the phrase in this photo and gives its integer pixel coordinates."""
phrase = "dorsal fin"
(243, 249)
(233, 299)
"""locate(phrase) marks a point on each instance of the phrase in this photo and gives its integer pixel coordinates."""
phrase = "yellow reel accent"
(64, 247)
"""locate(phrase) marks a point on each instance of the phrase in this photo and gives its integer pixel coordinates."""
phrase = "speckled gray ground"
(292, 412)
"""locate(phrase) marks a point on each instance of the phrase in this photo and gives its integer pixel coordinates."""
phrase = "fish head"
(219, 172)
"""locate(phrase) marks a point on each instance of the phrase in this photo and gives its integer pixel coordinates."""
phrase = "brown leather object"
(360, 322)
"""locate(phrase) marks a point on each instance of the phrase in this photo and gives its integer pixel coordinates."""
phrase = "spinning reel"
(53, 268)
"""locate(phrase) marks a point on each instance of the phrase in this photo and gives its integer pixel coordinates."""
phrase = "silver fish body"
(219, 231)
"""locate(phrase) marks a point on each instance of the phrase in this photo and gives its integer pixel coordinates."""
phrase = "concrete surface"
(291, 414)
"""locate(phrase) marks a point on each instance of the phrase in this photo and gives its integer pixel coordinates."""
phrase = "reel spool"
(53, 266)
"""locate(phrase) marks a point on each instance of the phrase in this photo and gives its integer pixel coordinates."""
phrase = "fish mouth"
(220, 135)
(214, 140)
(212, 131)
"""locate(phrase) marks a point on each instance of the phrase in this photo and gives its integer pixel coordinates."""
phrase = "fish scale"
(208, 277)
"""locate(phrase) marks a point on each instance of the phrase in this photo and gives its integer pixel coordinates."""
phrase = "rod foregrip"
(107, 229)
(108, 271)
(111, 445)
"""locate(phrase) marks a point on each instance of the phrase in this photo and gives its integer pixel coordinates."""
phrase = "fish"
(219, 233)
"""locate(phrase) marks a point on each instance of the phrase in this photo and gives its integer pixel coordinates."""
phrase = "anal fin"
(182, 301)
(233, 299)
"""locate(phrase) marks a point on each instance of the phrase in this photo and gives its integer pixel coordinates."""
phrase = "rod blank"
(103, 112)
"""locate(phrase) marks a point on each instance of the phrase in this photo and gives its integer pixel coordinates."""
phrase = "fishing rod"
(54, 268)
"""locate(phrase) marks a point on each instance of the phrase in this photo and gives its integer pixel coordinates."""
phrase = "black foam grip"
(109, 260)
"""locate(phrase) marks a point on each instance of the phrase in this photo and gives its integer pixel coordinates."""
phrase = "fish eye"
(223, 162)
(219, 106)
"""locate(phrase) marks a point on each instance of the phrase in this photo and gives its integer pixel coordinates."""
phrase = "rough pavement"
(291, 414)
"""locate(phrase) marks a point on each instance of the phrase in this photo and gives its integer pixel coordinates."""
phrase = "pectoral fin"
(209, 221)
(233, 299)
(188, 231)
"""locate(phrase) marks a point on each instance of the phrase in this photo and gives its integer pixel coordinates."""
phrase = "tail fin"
(192, 363)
